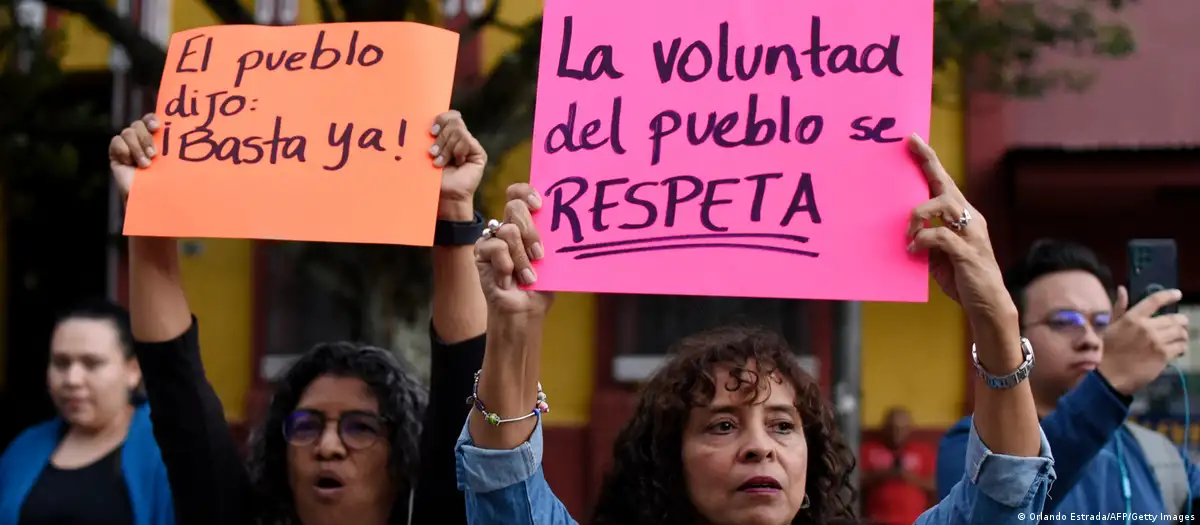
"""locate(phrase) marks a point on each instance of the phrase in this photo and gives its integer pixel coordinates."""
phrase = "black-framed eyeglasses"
(357, 430)
(1075, 323)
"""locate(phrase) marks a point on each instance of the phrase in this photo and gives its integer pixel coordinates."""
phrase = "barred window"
(647, 325)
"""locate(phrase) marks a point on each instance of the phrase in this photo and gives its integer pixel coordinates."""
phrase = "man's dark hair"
(1047, 256)
(118, 316)
(102, 310)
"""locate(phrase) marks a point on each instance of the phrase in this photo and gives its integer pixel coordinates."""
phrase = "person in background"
(351, 436)
(730, 430)
(97, 463)
(1093, 355)
(897, 473)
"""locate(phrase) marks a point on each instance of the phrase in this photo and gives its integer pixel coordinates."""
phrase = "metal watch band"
(1009, 380)
(449, 233)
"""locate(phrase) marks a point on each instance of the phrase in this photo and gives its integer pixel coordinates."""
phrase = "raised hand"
(1137, 345)
(462, 159)
(956, 235)
(504, 257)
(133, 148)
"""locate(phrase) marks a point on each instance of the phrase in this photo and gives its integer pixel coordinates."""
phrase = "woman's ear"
(133, 373)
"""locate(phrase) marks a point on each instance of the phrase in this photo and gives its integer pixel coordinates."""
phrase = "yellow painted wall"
(220, 287)
(85, 48)
(903, 342)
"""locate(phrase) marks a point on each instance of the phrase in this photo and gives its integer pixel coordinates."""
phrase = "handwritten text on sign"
(315, 133)
(735, 149)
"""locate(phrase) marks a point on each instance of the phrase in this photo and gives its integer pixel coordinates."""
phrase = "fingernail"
(538, 252)
(528, 277)
(144, 163)
(439, 161)
(434, 149)
(152, 125)
(534, 201)
(150, 151)
(912, 247)
(437, 128)
(506, 282)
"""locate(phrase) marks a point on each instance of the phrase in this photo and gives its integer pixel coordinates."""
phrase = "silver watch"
(1008, 380)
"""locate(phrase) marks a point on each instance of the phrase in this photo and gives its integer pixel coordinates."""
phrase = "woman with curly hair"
(730, 430)
(344, 440)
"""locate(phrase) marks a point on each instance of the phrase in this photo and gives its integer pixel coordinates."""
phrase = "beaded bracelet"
(493, 418)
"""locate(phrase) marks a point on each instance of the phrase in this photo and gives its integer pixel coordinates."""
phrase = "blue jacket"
(141, 462)
(509, 487)
(1083, 431)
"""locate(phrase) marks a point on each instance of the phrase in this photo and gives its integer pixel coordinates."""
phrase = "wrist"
(1111, 374)
(456, 210)
(998, 342)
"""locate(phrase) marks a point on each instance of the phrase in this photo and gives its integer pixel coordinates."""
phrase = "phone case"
(1153, 266)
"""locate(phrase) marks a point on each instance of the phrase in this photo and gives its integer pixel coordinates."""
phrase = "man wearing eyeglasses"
(1092, 355)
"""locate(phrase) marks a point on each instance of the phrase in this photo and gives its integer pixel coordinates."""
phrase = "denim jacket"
(509, 487)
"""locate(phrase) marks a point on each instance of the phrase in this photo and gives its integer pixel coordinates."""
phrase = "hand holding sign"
(131, 149)
(504, 258)
(320, 129)
(463, 160)
(731, 148)
(956, 236)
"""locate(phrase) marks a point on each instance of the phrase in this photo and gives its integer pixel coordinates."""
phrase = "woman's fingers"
(134, 143)
(524, 192)
(940, 238)
(516, 212)
(151, 121)
(943, 208)
(521, 266)
(119, 152)
(449, 129)
(145, 138)
(939, 181)
(493, 251)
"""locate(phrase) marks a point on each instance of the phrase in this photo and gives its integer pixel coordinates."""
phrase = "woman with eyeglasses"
(348, 436)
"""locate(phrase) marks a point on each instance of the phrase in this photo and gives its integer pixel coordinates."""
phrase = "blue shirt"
(509, 487)
(1083, 430)
(141, 466)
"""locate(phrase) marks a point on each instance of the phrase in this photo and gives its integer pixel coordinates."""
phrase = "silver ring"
(962, 222)
(492, 227)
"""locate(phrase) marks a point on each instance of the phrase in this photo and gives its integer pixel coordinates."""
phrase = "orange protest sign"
(309, 133)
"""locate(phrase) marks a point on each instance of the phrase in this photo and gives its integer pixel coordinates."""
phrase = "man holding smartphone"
(1093, 352)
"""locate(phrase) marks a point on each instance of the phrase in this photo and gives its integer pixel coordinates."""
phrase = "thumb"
(1122, 302)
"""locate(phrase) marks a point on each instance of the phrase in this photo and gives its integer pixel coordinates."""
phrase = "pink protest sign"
(750, 149)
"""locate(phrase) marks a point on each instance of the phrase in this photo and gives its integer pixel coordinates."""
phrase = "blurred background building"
(1115, 162)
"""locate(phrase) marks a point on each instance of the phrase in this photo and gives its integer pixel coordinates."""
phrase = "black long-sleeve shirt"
(209, 480)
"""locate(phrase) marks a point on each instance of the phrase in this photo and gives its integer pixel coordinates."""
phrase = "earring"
(805, 504)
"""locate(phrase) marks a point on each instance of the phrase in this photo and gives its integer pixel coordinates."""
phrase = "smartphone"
(1153, 266)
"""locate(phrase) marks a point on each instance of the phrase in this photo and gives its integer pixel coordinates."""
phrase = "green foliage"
(1001, 42)
(39, 126)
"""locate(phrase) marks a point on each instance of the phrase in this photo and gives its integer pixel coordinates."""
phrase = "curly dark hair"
(646, 483)
(402, 402)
